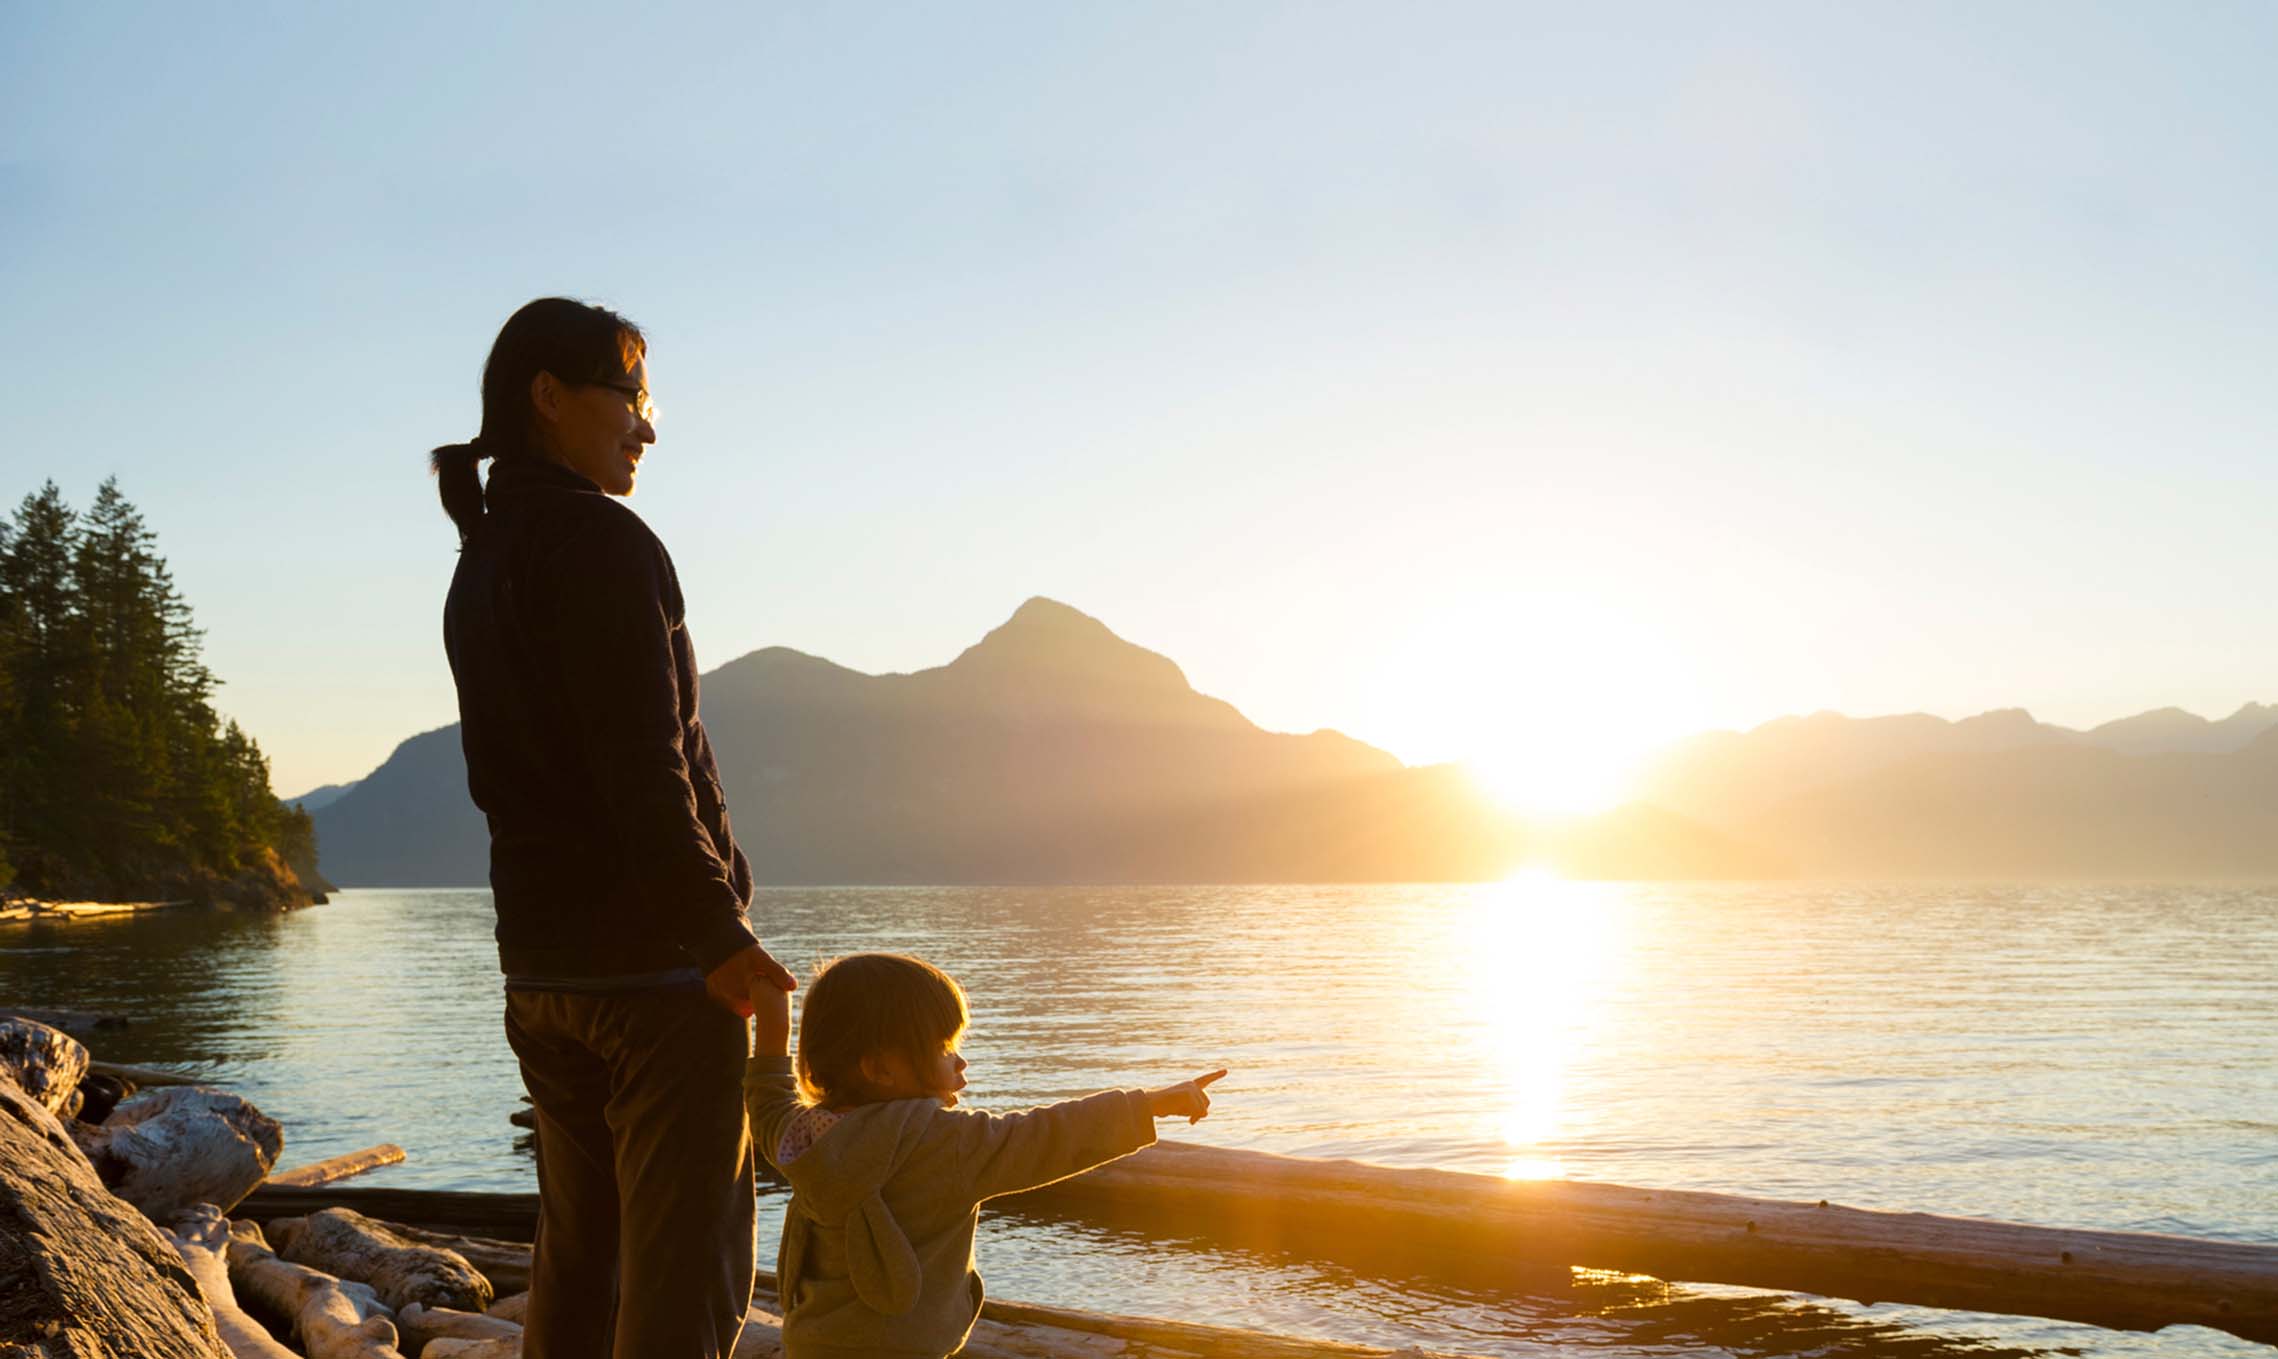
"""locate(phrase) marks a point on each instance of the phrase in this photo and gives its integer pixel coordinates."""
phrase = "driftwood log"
(470, 1212)
(1479, 1227)
(201, 1238)
(514, 1308)
(167, 1150)
(145, 1075)
(44, 1062)
(337, 1168)
(508, 1347)
(505, 1263)
(332, 1318)
(347, 1244)
(419, 1325)
(1453, 1222)
(81, 1272)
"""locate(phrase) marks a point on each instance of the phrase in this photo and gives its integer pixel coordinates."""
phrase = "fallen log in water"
(504, 1216)
(80, 1024)
(1474, 1223)
(147, 1075)
(338, 1168)
(2123, 1280)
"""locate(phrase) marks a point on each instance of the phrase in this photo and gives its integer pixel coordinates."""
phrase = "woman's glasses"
(642, 406)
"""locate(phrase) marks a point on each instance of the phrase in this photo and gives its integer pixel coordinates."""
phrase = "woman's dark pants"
(645, 1207)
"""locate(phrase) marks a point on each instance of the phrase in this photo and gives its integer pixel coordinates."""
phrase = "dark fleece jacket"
(610, 850)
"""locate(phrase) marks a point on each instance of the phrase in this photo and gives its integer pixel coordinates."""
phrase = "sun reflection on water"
(1538, 954)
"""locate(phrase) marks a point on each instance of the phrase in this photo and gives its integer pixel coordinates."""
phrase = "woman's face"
(597, 429)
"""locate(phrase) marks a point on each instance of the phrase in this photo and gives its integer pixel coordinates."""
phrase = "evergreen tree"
(36, 576)
(116, 775)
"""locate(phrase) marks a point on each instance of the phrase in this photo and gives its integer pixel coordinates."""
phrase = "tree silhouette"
(117, 777)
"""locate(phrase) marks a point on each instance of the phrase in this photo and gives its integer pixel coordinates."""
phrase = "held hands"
(770, 1021)
(1188, 1098)
(734, 982)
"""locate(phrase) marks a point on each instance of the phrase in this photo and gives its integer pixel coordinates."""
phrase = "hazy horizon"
(2036, 714)
(1510, 383)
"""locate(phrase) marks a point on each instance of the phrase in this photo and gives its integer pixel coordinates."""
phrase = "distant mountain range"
(1050, 751)
(321, 797)
(1054, 751)
(2164, 794)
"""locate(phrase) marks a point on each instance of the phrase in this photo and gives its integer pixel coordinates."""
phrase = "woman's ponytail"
(460, 486)
(576, 342)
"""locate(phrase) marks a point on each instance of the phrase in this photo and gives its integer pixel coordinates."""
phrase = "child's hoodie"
(877, 1253)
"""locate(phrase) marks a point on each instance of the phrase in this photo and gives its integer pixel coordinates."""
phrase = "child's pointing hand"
(1190, 1098)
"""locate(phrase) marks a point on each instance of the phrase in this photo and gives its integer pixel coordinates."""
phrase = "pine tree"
(37, 576)
(116, 774)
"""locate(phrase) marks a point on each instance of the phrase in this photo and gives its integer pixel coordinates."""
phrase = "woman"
(619, 888)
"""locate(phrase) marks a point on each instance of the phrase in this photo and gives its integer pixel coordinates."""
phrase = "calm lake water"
(2074, 1056)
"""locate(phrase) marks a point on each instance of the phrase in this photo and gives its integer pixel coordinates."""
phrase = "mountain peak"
(1052, 661)
(1044, 636)
(1039, 612)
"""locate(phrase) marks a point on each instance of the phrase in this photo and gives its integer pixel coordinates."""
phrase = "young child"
(887, 1174)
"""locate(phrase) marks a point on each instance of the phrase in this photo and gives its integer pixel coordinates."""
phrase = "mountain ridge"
(1050, 750)
(1054, 750)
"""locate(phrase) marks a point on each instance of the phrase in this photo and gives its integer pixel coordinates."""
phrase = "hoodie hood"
(840, 1177)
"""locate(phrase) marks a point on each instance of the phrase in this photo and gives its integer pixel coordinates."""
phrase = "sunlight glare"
(1539, 953)
(1560, 711)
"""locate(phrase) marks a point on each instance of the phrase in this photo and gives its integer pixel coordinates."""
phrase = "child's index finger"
(1205, 1080)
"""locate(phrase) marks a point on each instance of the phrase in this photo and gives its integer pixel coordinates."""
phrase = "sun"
(1568, 773)
(1556, 703)
(1570, 701)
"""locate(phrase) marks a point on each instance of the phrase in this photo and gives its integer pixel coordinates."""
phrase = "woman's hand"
(1188, 1098)
(733, 982)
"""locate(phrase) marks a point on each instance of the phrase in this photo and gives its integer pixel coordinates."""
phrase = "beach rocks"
(167, 1149)
(44, 1062)
(85, 1274)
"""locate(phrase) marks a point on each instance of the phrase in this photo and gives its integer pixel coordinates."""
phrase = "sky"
(1528, 384)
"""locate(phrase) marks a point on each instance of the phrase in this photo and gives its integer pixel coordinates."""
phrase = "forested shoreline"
(118, 780)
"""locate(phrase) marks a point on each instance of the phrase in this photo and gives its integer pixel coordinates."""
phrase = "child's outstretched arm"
(1007, 1153)
(771, 1092)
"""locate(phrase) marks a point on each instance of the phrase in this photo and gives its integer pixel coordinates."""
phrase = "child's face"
(896, 1076)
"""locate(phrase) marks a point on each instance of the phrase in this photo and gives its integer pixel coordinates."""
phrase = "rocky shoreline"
(268, 885)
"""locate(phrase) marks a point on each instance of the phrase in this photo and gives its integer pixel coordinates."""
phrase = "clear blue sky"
(1473, 378)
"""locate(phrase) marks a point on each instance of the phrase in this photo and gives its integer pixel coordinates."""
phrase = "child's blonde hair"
(870, 1003)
